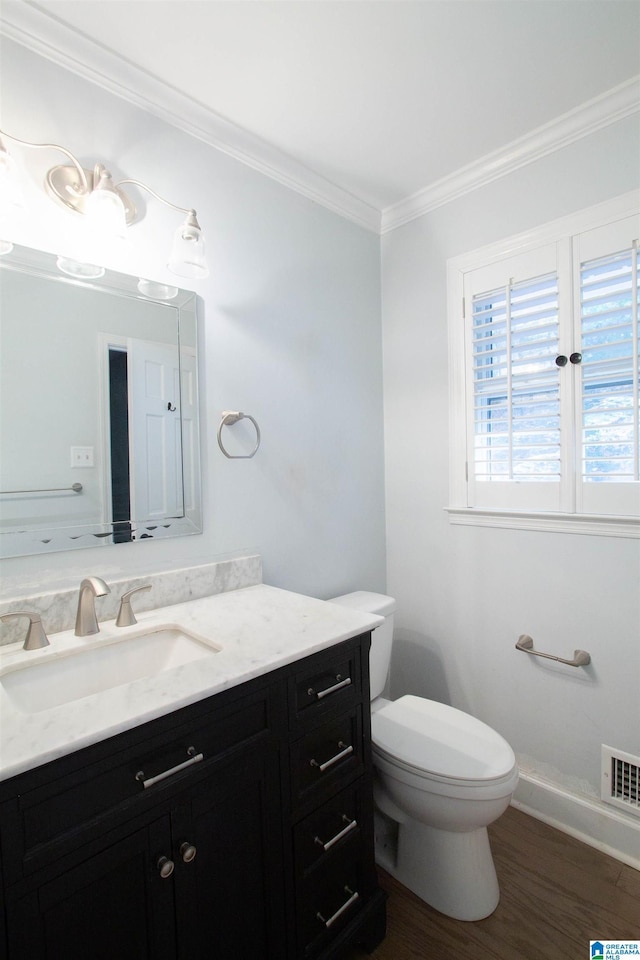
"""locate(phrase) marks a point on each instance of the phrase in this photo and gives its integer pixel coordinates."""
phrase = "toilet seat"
(473, 791)
(465, 750)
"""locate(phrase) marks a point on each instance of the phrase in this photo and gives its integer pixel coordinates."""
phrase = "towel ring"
(229, 417)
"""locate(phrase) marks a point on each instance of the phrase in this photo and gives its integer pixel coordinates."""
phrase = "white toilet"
(441, 777)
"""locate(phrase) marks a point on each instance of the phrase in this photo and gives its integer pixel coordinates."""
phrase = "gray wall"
(465, 594)
(291, 334)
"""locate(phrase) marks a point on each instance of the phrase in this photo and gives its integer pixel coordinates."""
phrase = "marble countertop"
(258, 629)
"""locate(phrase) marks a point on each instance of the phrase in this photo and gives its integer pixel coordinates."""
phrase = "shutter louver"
(609, 336)
(516, 382)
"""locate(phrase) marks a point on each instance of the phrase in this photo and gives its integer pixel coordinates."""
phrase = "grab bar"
(580, 657)
(74, 488)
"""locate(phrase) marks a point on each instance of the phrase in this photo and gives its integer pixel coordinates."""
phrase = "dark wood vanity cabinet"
(99, 866)
(258, 845)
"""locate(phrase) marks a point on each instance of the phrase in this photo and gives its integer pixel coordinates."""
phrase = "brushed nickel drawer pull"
(193, 758)
(351, 825)
(325, 693)
(344, 752)
(345, 906)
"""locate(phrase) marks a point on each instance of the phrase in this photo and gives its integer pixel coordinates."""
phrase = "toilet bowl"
(440, 778)
(443, 777)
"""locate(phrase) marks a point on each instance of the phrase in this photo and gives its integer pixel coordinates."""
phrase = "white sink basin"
(82, 672)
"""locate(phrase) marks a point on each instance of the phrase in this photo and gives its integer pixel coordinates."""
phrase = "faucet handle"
(126, 617)
(36, 638)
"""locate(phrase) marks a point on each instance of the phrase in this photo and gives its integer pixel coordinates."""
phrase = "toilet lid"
(438, 739)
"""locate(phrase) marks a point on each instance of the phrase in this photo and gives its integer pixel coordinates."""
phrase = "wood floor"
(556, 895)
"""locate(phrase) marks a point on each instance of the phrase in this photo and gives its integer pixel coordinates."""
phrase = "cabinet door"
(114, 904)
(229, 897)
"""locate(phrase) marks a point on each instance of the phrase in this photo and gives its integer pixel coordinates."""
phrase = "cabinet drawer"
(325, 833)
(98, 794)
(327, 682)
(330, 900)
(327, 758)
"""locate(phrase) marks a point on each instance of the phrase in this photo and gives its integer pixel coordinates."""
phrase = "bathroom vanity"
(227, 812)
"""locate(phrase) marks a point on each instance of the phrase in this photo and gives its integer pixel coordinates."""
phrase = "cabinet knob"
(165, 867)
(188, 852)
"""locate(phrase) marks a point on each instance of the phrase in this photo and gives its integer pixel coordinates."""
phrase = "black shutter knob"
(576, 358)
(561, 361)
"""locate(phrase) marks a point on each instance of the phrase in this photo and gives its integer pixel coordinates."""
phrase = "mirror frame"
(26, 541)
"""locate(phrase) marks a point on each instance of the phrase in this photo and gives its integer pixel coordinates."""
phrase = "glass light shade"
(105, 214)
(157, 291)
(82, 271)
(11, 198)
(187, 256)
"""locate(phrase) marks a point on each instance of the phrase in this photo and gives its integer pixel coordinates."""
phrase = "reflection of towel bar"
(580, 657)
(74, 488)
(229, 417)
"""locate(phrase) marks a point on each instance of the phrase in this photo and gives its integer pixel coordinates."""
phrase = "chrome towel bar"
(580, 657)
(74, 488)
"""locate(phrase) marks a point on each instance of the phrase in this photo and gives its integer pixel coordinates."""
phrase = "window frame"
(566, 519)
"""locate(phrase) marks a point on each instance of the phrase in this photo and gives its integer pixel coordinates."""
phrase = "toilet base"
(452, 872)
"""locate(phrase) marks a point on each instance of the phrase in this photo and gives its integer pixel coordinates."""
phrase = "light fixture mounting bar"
(84, 175)
(139, 183)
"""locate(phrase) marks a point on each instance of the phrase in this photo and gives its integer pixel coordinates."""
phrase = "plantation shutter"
(607, 428)
(515, 458)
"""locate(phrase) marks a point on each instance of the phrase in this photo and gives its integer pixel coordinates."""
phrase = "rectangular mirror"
(99, 439)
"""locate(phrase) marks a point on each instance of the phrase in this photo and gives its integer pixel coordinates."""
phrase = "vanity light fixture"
(110, 210)
(10, 191)
(10, 186)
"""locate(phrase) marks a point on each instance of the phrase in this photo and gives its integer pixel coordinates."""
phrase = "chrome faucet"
(86, 620)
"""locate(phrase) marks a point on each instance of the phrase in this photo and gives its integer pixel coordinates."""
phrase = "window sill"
(598, 526)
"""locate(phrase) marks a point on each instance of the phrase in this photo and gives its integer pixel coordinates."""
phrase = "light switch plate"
(81, 456)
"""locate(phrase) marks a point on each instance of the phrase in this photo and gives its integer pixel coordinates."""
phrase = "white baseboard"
(585, 818)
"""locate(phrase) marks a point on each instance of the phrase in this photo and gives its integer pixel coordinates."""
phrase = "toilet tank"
(382, 636)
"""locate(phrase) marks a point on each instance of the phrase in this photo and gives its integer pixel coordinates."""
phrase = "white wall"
(290, 333)
(465, 594)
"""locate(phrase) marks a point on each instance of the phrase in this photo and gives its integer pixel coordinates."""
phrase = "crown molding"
(41, 32)
(616, 104)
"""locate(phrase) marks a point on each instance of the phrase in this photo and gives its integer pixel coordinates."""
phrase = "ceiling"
(381, 99)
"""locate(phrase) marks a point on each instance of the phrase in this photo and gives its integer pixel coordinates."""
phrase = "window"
(544, 377)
